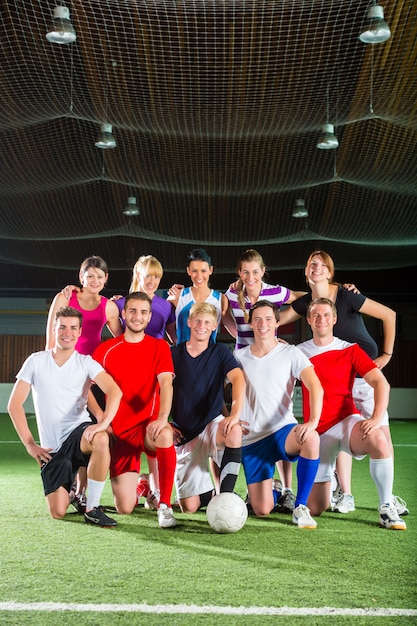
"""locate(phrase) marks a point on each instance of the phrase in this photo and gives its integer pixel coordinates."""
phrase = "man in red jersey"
(142, 367)
(341, 427)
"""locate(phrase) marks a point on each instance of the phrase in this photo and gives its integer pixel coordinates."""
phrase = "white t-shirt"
(59, 393)
(270, 382)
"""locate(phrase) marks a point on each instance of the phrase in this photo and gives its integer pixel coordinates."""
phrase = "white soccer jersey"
(270, 381)
(59, 393)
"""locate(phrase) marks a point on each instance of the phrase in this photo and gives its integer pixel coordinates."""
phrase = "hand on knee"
(165, 439)
(311, 447)
(100, 442)
(234, 437)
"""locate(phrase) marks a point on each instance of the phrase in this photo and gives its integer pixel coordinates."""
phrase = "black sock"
(229, 468)
(205, 498)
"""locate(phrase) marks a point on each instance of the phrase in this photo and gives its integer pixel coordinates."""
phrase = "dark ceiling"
(216, 109)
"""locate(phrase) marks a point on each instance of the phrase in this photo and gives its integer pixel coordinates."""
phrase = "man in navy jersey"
(201, 431)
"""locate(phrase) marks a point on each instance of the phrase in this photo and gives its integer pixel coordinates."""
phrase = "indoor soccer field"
(347, 571)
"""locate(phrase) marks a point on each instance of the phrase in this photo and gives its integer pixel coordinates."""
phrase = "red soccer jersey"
(336, 366)
(135, 368)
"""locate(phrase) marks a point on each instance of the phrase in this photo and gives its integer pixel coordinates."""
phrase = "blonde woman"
(146, 277)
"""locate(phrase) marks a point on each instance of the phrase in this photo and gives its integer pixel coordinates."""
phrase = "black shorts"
(62, 469)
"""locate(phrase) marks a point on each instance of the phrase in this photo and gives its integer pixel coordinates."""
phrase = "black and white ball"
(226, 513)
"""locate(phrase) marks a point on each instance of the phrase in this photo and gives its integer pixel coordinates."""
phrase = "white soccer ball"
(226, 513)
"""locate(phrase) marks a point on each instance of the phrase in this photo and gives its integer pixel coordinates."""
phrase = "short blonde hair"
(321, 301)
(203, 308)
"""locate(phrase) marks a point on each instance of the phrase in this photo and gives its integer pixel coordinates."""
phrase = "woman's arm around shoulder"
(113, 322)
(59, 301)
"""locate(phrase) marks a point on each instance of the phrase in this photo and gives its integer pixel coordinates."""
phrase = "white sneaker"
(390, 519)
(400, 505)
(344, 504)
(152, 500)
(166, 517)
(301, 516)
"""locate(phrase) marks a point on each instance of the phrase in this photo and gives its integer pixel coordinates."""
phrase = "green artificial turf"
(347, 562)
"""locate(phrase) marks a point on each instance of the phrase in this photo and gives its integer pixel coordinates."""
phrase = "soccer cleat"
(79, 502)
(335, 490)
(98, 517)
(390, 519)
(286, 502)
(301, 516)
(277, 486)
(142, 487)
(334, 484)
(344, 504)
(152, 500)
(247, 502)
(400, 505)
(166, 517)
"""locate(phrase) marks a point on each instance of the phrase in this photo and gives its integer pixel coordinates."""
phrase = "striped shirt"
(273, 293)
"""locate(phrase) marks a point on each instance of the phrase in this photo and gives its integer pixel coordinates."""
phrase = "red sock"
(167, 460)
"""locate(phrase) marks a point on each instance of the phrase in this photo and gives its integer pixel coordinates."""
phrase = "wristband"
(388, 354)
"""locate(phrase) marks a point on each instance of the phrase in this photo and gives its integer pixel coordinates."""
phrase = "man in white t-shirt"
(271, 369)
(60, 379)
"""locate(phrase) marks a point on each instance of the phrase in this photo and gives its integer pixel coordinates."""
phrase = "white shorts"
(363, 396)
(333, 441)
(192, 476)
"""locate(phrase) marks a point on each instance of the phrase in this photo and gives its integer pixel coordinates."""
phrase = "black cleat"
(98, 517)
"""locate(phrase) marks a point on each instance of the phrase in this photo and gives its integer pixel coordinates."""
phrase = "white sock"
(94, 491)
(382, 473)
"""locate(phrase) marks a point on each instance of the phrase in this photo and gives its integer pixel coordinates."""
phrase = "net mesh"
(216, 108)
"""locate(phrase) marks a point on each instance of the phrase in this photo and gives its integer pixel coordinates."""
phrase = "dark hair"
(261, 303)
(94, 261)
(137, 295)
(69, 311)
(199, 254)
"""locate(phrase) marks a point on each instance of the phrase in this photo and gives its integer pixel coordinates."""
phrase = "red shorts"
(126, 449)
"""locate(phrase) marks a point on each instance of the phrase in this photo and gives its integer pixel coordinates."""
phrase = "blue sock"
(276, 495)
(306, 473)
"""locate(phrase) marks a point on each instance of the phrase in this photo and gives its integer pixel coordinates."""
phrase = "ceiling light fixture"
(300, 209)
(106, 138)
(328, 140)
(62, 30)
(131, 208)
(377, 30)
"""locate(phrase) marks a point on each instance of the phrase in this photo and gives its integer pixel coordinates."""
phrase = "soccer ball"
(226, 513)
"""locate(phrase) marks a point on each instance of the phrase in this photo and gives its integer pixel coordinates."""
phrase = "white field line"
(206, 610)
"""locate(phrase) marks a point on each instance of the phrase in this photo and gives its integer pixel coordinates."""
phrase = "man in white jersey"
(60, 379)
(271, 369)
(341, 427)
